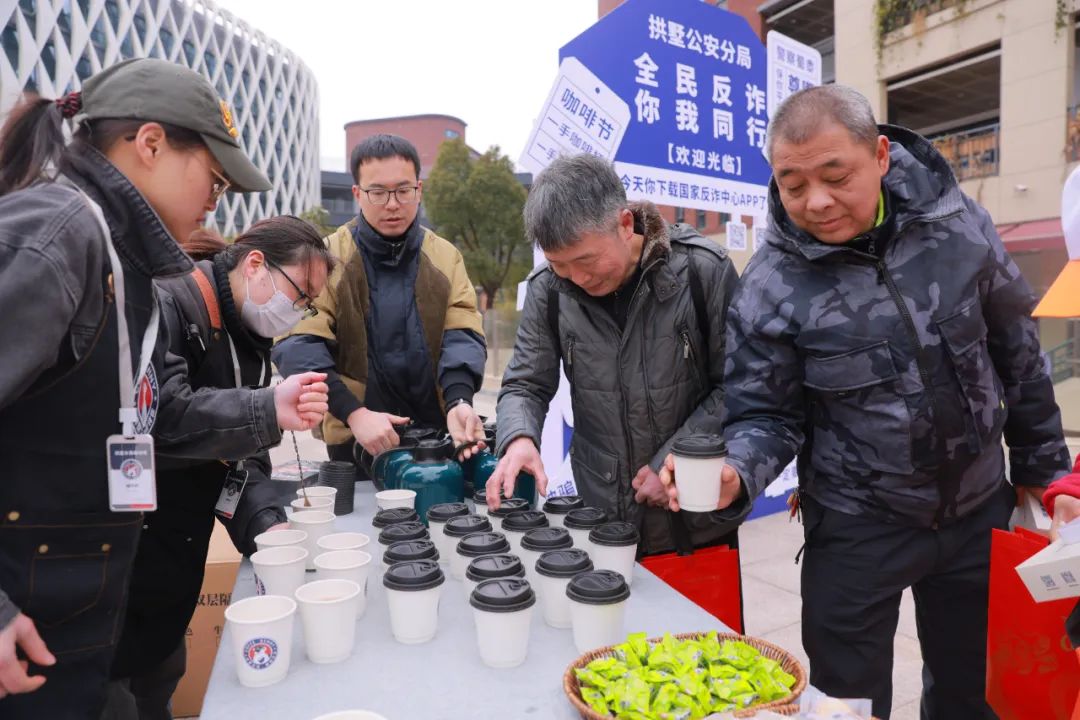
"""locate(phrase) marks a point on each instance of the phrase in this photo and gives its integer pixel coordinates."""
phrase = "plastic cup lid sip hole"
(483, 543)
(392, 516)
(700, 446)
(524, 520)
(495, 566)
(444, 511)
(585, 518)
(414, 576)
(503, 595)
(564, 563)
(544, 539)
(615, 534)
(564, 504)
(403, 531)
(510, 505)
(410, 550)
(466, 525)
(598, 587)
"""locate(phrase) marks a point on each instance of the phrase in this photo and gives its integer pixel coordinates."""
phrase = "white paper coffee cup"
(316, 523)
(413, 590)
(343, 541)
(279, 538)
(597, 608)
(503, 611)
(699, 462)
(279, 570)
(386, 499)
(312, 503)
(328, 614)
(261, 629)
(314, 491)
(354, 565)
(554, 571)
(613, 546)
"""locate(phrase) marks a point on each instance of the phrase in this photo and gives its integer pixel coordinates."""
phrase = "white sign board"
(792, 65)
(759, 233)
(581, 115)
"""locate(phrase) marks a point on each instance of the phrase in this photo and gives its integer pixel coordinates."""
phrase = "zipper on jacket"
(570, 356)
(886, 278)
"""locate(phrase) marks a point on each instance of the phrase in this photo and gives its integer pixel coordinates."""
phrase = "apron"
(65, 558)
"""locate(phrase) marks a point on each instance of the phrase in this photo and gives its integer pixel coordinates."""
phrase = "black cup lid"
(598, 587)
(410, 550)
(430, 450)
(495, 566)
(585, 518)
(563, 505)
(503, 595)
(546, 538)
(444, 511)
(483, 543)
(466, 525)
(564, 563)
(385, 518)
(404, 531)
(615, 534)
(700, 446)
(414, 576)
(523, 520)
(480, 497)
(510, 505)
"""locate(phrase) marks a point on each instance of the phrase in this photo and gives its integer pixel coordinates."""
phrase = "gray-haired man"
(884, 334)
(634, 309)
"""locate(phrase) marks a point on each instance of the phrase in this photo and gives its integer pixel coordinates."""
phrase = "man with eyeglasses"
(397, 327)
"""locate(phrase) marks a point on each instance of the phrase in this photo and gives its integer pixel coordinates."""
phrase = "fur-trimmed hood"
(657, 240)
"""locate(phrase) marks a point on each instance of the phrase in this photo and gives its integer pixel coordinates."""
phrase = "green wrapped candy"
(591, 678)
(595, 700)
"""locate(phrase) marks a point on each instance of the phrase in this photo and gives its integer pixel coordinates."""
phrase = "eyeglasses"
(220, 187)
(381, 196)
(303, 302)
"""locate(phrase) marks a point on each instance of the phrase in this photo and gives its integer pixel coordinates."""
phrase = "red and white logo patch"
(147, 397)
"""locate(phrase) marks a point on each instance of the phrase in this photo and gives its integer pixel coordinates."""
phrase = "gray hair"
(804, 114)
(575, 194)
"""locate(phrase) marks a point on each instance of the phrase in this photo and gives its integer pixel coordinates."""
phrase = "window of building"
(451, 134)
(723, 218)
(680, 214)
(701, 222)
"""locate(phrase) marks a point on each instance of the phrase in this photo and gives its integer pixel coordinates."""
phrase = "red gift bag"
(709, 577)
(1032, 671)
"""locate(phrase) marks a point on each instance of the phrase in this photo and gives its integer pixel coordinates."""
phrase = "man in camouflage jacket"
(884, 335)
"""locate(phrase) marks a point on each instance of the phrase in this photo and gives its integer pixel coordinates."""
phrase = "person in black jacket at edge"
(85, 378)
(221, 319)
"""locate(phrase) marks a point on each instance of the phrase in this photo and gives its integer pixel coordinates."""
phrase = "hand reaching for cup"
(521, 454)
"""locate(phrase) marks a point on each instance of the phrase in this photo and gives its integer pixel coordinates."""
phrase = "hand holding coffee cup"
(706, 481)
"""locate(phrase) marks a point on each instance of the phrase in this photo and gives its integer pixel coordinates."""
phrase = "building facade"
(51, 46)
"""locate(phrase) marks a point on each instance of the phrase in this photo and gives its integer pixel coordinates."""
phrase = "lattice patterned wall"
(52, 45)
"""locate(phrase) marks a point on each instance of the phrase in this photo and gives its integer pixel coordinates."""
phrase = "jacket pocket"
(861, 422)
(83, 339)
(596, 474)
(964, 334)
(74, 575)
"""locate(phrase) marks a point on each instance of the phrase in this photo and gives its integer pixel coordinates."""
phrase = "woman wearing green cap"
(85, 376)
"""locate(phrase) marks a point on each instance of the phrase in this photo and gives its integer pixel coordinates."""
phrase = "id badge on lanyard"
(129, 456)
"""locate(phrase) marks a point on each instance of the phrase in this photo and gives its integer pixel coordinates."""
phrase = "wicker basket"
(787, 661)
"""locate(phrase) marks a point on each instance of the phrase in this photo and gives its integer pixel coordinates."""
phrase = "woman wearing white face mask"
(221, 319)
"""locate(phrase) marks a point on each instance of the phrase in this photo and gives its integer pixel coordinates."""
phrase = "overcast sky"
(489, 62)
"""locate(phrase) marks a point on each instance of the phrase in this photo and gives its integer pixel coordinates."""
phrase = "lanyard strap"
(236, 365)
(129, 381)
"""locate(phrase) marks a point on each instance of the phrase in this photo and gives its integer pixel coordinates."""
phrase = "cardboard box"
(204, 631)
(1052, 573)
